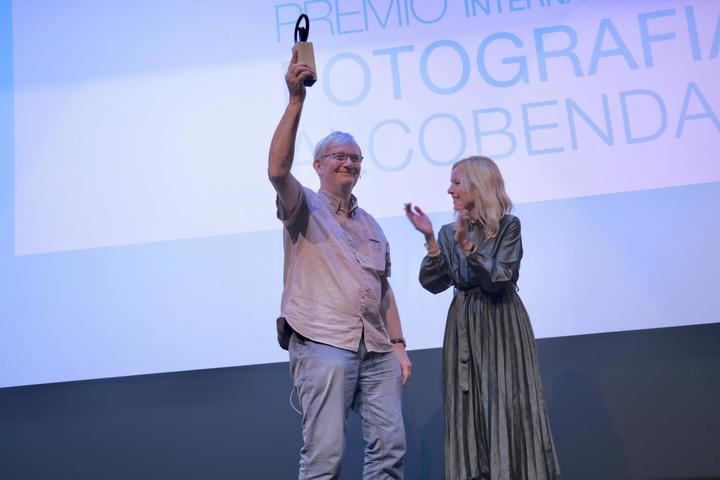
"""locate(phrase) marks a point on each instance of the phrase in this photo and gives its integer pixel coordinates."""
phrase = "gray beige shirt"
(336, 263)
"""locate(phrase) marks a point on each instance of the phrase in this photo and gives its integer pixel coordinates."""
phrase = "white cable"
(291, 401)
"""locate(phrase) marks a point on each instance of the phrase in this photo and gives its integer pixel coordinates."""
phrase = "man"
(346, 348)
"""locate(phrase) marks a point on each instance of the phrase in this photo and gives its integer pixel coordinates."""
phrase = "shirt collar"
(336, 203)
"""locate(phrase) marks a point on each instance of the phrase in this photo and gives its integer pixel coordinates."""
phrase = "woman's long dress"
(496, 425)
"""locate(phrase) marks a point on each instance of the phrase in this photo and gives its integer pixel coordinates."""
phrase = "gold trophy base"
(306, 55)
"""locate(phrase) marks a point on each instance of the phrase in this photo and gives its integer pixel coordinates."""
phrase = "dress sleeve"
(497, 264)
(434, 271)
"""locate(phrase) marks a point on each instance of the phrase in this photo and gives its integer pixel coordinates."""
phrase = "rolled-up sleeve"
(295, 221)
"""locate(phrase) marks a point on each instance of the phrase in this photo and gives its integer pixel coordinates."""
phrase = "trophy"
(305, 48)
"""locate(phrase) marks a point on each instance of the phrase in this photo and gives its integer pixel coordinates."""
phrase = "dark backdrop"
(636, 405)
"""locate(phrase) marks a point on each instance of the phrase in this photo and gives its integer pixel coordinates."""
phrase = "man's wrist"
(296, 100)
(398, 341)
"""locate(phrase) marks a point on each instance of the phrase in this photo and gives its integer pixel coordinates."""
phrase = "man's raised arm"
(282, 147)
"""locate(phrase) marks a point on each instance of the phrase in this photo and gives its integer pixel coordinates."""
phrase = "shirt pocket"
(373, 254)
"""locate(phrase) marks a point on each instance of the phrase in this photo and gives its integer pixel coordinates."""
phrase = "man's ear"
(316, 165)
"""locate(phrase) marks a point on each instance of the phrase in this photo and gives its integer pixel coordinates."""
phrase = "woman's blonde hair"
(481, 177)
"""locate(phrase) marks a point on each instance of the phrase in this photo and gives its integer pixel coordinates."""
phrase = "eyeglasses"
(341, 157)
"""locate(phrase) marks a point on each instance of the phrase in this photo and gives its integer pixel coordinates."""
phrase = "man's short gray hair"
(335, 138)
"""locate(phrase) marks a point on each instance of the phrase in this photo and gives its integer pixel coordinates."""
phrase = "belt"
(463, 340)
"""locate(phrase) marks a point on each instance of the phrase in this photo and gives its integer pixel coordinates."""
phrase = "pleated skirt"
(496, 425)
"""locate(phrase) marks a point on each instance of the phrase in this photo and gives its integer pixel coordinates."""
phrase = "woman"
(496, 426)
